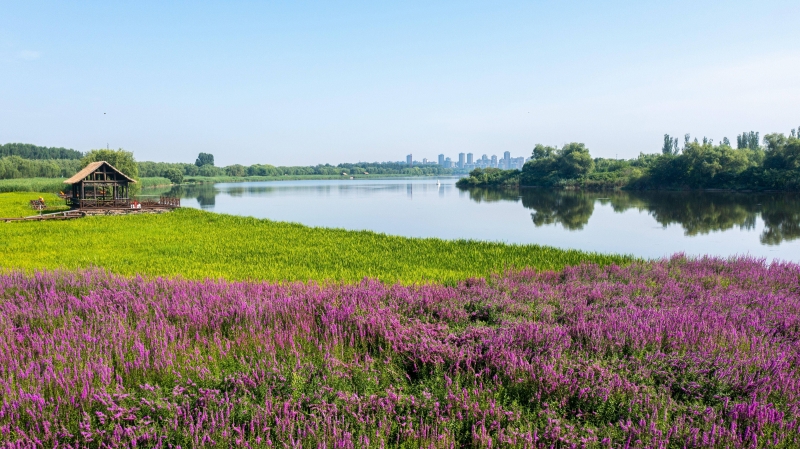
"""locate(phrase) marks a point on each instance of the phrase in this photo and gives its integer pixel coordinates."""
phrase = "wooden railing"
(170, 201)
(164, 201)
(161, 203)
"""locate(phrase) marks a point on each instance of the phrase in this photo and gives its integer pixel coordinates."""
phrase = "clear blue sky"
(296, 83)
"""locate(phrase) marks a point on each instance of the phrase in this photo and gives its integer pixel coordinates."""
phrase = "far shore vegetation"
(775, 165)
(25, 167)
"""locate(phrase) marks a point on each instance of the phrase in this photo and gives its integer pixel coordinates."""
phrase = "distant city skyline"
(293, 83)
(467, 161)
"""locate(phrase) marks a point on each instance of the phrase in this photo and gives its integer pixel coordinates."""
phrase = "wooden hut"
(101, 185)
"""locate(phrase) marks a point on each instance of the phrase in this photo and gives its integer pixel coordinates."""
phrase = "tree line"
(28, 151)
(775, 165)
(17, 166)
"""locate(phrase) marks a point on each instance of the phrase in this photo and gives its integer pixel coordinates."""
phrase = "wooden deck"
(67, 215)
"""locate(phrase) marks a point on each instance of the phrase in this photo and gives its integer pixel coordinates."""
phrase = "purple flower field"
(677, 353)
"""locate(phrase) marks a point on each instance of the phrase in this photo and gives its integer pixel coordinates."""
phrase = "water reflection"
(696, 212)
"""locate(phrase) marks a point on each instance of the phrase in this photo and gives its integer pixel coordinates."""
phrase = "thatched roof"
(89, 169)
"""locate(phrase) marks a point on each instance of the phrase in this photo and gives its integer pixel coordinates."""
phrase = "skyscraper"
(409, 160)
(469, 158)
(507, 160)
(448, 163)
(494, 160)
(460, 160)
(441, 160)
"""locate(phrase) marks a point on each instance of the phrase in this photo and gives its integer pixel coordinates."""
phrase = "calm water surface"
(646, 224)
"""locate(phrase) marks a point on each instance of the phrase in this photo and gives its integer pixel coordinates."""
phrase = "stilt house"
(99, 184)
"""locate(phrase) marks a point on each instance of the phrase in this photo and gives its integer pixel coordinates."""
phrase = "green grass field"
(17, 204)
(197, 244)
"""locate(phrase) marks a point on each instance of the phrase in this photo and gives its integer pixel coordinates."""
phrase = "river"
(645, 224)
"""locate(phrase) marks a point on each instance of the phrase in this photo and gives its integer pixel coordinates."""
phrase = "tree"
(574, 161)
(121, 160)
(667, 148)
(236, 170)
(174, 175)
(541, 151)
(782, 153)
(747, 140)
(204, 159)
(670, 146)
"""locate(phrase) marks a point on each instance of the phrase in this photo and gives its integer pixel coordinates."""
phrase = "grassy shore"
(17, 204)
(197, 244)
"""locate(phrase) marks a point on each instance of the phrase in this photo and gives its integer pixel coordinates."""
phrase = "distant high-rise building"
(448, 163)
(469, 158)
(494, 160)
(441, 160)
(424, 161)
(507, 160)
(461, 160)
(409, 160)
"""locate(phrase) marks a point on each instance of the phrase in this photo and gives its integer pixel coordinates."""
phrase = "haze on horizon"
(302, 83)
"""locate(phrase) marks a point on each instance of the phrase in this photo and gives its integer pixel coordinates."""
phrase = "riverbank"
(197, 245)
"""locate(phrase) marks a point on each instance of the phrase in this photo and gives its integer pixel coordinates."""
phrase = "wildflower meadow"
(674, 353)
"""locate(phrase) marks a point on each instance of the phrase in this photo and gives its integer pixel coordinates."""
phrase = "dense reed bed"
(677, 353)
(197, 244)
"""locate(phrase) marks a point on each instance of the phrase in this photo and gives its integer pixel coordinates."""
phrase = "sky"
(305, 83)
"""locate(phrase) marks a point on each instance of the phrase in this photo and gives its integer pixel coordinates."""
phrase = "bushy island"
(696, 165)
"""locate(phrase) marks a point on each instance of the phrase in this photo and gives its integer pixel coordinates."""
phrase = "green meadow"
(17, 204)
(196, 244)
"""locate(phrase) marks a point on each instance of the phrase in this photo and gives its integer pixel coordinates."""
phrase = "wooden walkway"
(95, 207)
(66, 215)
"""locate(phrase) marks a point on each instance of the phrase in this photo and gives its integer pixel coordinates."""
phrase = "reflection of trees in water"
(781, 217)
(571, 209)
(697, 212)
(484, 195)
(205, 194)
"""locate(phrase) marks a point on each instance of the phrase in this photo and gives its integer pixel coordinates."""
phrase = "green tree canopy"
(574, 161)
(175, 175)
(204, 159)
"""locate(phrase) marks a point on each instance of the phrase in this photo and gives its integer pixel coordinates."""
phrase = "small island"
(696, 165)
